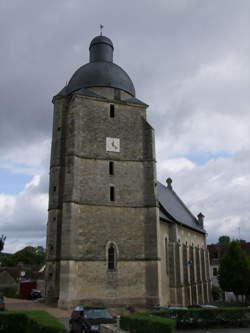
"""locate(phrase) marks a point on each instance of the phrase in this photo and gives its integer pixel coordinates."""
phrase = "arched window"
(111, 257)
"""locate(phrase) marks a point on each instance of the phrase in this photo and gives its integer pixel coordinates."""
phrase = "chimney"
(169, 182)
(201, 219)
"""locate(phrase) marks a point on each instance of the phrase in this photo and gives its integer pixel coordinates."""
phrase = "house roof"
(30, 271)
(172, 208)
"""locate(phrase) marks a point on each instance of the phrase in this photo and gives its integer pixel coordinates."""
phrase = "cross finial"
(101, 27)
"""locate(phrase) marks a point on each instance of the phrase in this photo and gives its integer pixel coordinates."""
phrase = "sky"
(188, 59)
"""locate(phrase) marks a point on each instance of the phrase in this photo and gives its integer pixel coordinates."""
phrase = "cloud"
(188, 60)
(220, 190)
(24, 216)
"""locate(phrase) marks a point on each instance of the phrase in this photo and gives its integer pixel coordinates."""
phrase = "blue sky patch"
(201, 158)
(12, 183)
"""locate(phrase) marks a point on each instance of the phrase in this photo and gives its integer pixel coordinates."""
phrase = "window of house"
(54, 188)
(216, 255)
(215, 271)
(112, 193)
(112, 111)
(111, 258)
(111, 168)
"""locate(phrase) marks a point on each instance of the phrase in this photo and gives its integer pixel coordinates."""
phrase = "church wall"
(86, 231)
(164, 253)
(91, 227)
(187, 280)
(90, 119)
(110, 92)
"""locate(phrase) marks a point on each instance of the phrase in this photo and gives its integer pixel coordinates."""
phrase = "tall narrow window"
(111, 168)
(166, 254)
(112, 111)
(111, 258)
(112, 193)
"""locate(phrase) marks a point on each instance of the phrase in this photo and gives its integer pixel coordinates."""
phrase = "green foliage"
(29, 322)
(29, 255)
(217, 293)
(2, 241)
(234, 270)
(143, 323)
(9, 292)
(6, 260)
(225, 240)
(208, 318)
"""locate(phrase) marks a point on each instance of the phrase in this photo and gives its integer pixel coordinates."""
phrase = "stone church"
(115, 235)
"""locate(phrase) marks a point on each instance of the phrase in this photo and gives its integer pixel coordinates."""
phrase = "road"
(218, 330)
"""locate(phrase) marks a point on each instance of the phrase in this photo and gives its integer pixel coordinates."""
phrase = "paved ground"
(218, 330)
(63, 315)
(20, 304)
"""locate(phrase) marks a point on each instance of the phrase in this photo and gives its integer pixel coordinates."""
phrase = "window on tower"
(111, 168)
(112, 111)
(112, 255)
(112, 193)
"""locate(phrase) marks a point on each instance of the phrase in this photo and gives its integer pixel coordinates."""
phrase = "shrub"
(208, 318)
(142, 323)
(29, 322)
(217, 293)
(9, 292)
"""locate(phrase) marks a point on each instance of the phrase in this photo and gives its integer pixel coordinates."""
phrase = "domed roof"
(101, 71)
(101, 39)
(101, 74)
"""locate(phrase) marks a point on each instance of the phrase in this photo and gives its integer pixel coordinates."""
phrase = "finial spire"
(101, 27)
(169, 182)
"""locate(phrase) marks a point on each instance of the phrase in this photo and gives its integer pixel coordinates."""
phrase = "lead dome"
(100, 71)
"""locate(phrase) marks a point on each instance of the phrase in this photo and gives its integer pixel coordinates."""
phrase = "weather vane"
(101, 27)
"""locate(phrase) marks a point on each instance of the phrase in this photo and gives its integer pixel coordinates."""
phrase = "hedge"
(29, 322)
(140, 323)
(207, 318)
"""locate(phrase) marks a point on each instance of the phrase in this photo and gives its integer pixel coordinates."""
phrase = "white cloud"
(189, 60)
(23, 216)
(220, 190)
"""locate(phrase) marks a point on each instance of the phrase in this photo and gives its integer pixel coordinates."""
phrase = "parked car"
(35, 293)
(160, 307)
(202, 306)
(88, 319)
(208, 306)
(169, 307)
(2, 303)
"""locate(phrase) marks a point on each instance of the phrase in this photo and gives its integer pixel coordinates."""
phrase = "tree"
(2, 241)
(225, 240)
(29, 255)
(40, 255)
(234, 270)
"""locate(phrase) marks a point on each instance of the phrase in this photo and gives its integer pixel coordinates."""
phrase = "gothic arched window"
(111, 257)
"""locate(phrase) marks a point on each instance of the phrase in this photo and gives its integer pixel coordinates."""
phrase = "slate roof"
(135, 100)
(172, 209)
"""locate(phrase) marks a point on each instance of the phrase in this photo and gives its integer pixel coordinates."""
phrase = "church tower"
(103, 224)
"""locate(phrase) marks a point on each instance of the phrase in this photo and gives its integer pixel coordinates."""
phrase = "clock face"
(113, 144)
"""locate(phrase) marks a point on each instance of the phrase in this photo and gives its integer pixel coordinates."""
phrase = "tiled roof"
(173, 209)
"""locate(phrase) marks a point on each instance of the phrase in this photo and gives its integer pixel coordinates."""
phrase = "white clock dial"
(113, 144)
